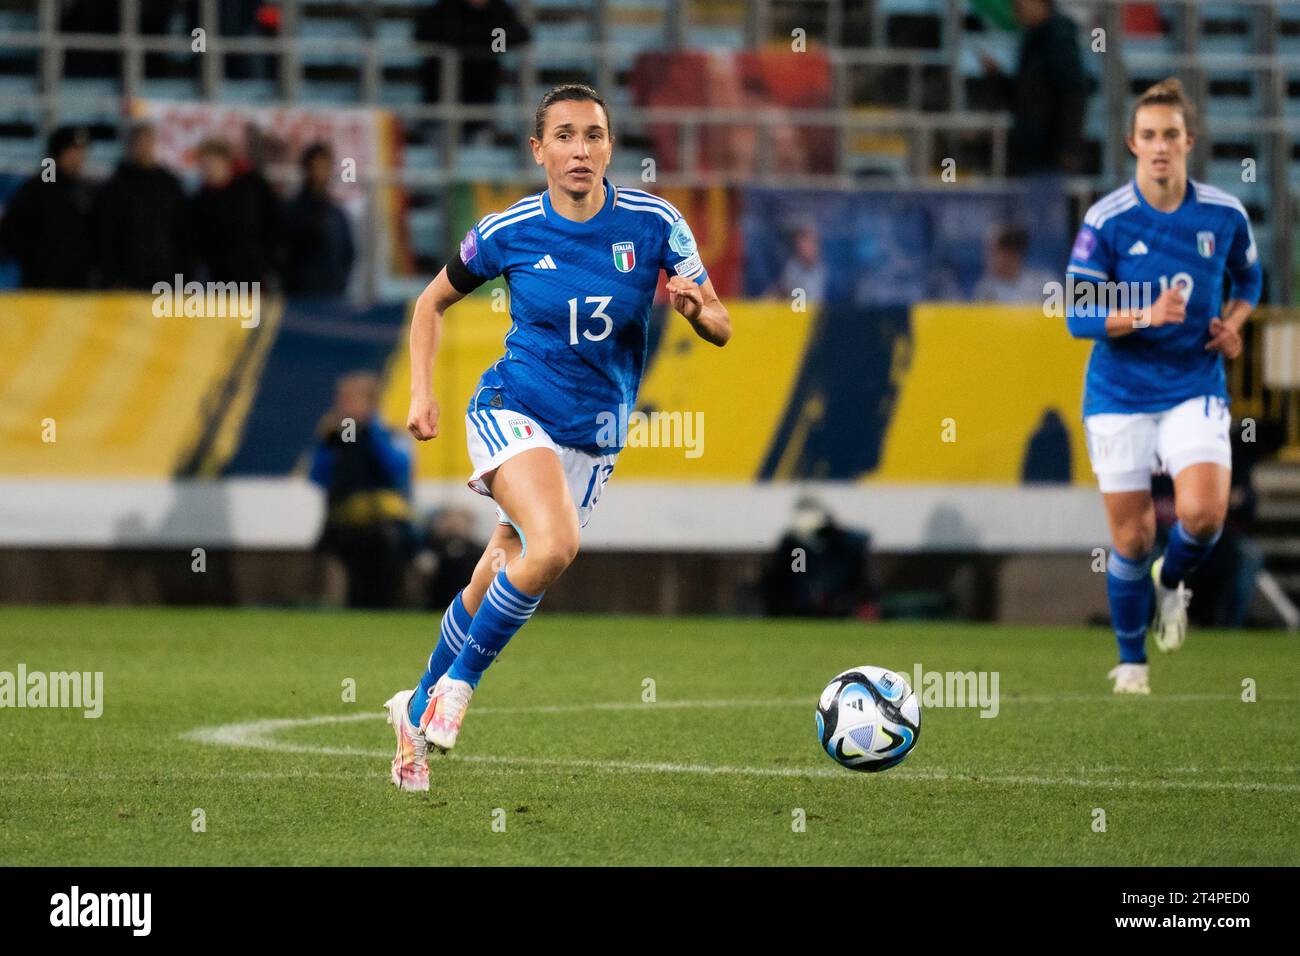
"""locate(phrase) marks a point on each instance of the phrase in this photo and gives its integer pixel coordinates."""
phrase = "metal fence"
(1268, 133)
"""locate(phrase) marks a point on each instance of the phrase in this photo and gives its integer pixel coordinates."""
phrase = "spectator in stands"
(804, 269)
(48, 226)
(820, 569)
(141, 216)
(317, 233)
(234, 218)
(1006, 278)
(1047, 94)
(468, 26)
(366, 473)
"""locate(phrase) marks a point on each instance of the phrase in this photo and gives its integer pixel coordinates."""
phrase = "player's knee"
(1201, 520)
(553, 553)
(1135, 542)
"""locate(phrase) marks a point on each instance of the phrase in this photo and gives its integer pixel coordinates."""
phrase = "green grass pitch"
(560, 760)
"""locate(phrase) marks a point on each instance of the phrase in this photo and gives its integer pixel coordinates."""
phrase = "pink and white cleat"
(410, 765)
(447, 705)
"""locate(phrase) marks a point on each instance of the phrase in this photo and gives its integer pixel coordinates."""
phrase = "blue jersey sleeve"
(481, 250)
(1091, 260)
(1243, 264)
(1092, 256)
(680, 255)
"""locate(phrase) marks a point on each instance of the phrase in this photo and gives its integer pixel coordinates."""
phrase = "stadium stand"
(895, 87)
(906, 86)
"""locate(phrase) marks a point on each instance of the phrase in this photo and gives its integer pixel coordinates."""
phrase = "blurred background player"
(1156, 396)
(582, 260)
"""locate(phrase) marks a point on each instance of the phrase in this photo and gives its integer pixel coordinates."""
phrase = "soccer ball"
(868, 719)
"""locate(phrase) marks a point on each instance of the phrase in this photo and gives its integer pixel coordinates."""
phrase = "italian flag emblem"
(624, 256)
(520, 428)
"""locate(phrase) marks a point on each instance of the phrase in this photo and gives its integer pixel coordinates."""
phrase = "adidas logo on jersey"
(1138, 248)
(545, 262)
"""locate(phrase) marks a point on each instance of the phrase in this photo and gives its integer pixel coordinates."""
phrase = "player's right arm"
(426, 331)
(1092, 259)
(478, 261)
(1169, 309)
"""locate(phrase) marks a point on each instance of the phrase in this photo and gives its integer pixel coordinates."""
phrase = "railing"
(920, 129)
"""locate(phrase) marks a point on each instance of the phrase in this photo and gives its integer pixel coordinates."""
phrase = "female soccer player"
(1155, 397)
(582, 260)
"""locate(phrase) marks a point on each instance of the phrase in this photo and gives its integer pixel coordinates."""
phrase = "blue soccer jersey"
(1200, 245)
(580, 298)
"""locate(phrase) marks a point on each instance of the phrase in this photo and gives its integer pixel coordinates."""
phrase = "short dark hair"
(567, 91)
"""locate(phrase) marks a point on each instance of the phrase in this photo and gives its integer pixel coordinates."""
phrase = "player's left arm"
(1247, 280)
(701, 307)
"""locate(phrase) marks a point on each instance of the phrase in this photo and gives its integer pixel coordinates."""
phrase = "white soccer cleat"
(1169, 629)
(410, 765)
(447, 705)
(1130, 678)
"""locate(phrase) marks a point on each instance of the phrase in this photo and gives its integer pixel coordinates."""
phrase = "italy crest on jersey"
(1205, 244)
(521, 428)
(624, 256)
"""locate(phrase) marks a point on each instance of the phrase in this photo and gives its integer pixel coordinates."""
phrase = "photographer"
(366, 474)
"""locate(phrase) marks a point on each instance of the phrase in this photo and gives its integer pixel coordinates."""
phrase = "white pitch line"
(260, 735)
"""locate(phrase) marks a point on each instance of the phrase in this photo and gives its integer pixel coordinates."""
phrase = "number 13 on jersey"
(597, 313)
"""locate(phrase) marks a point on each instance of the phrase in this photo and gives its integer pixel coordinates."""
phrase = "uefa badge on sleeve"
(469, 246)
(624, 256)
(1205, 244)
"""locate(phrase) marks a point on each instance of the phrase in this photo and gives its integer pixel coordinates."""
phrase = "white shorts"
(1126, 450)
(496, 435)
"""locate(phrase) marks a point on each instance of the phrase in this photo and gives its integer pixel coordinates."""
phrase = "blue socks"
(1132, 594)
(505, 609)
(1183, 553)
(455, 626)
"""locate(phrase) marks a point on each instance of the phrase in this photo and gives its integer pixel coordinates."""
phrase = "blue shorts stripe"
(495, 424)
(478, 426)
(486, 418)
